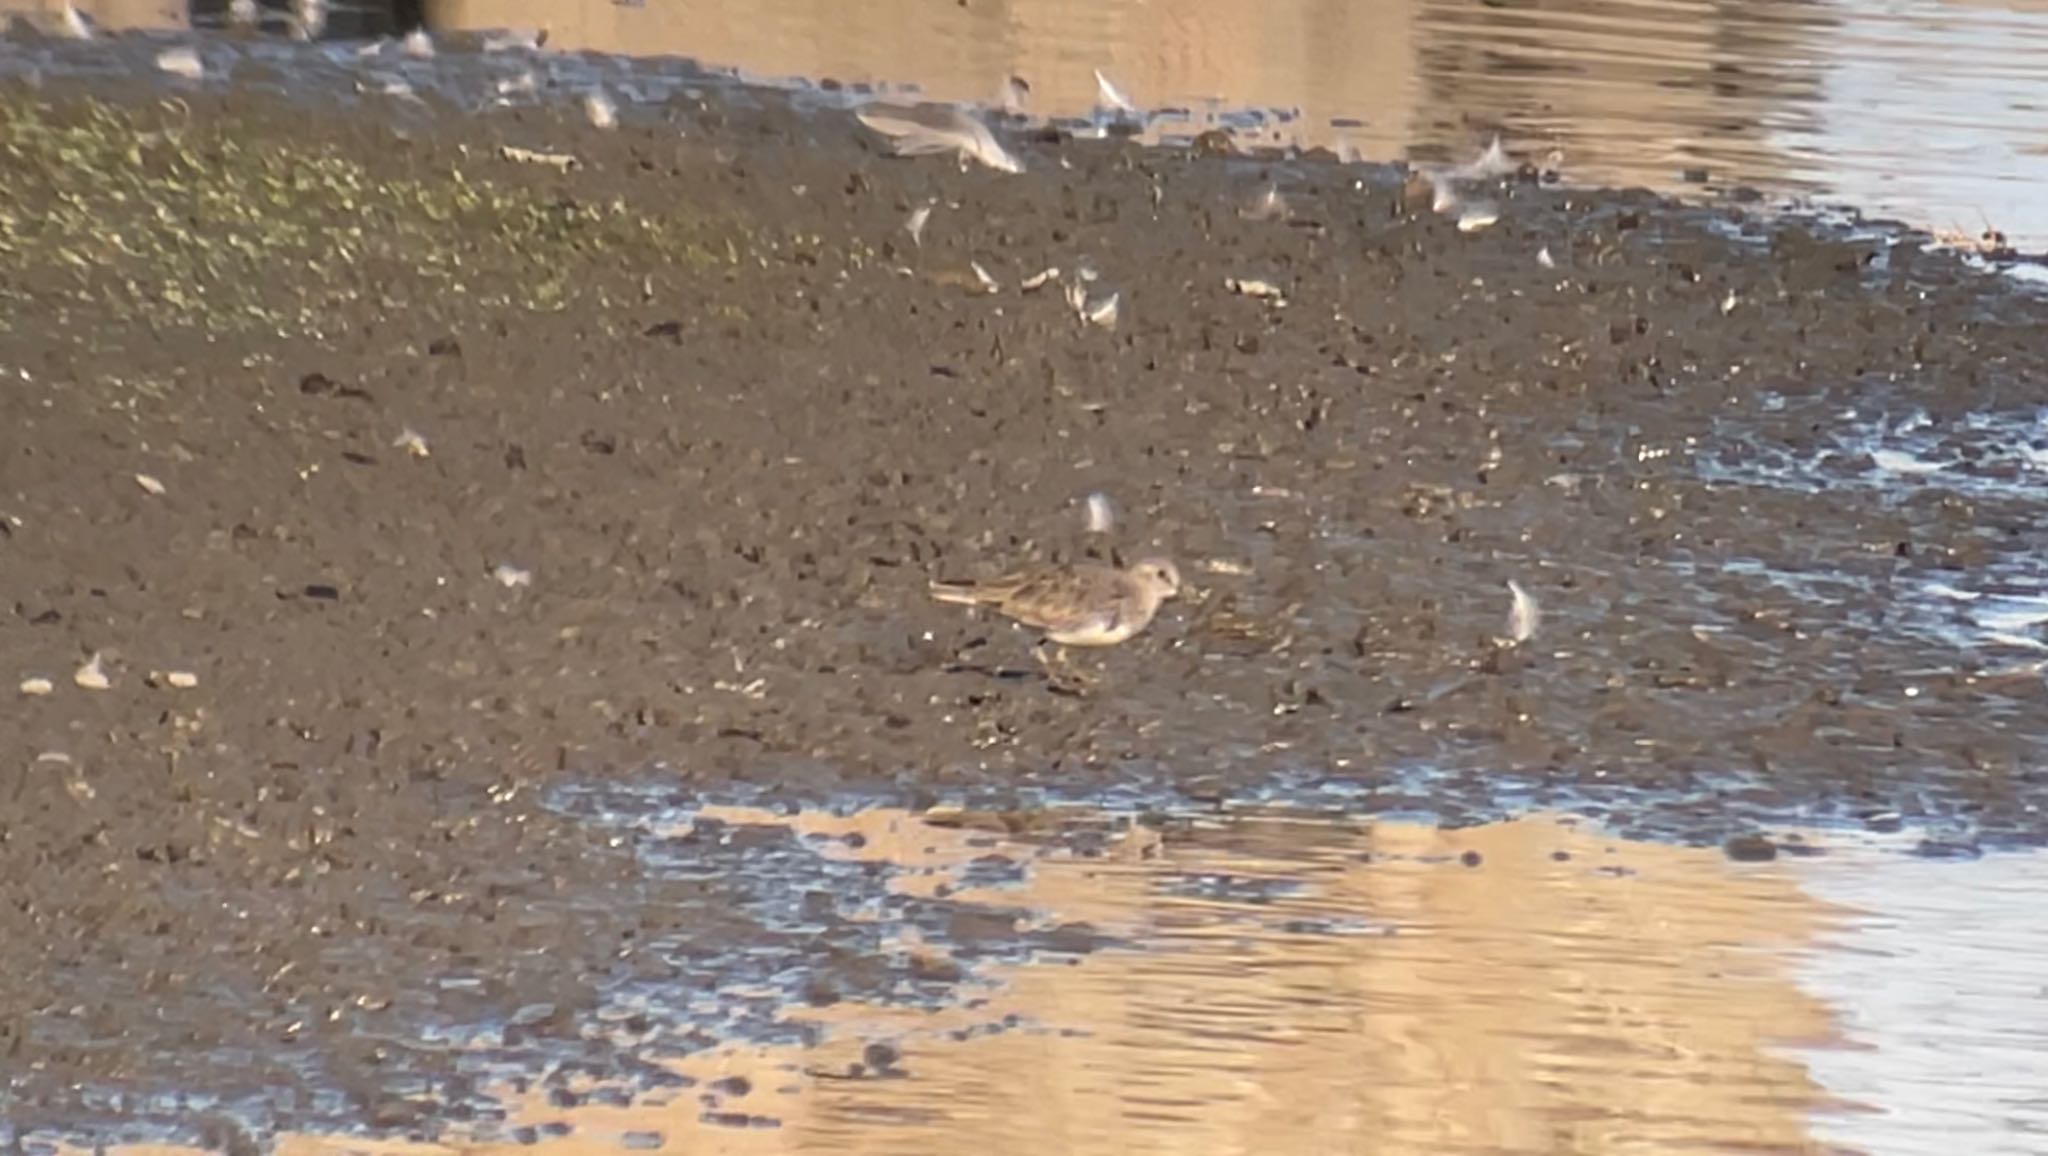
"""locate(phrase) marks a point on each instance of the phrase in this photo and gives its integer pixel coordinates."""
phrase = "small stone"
(149, 485)
(181, 679)
(1750, 849)
(92, 676)
(512, 577)
(36, 687)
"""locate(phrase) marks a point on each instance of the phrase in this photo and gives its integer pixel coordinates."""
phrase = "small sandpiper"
(1077, 604)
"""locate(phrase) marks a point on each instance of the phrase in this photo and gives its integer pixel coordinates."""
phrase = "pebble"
(36, 687)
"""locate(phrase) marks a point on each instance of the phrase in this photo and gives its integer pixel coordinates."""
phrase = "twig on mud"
(560, 161)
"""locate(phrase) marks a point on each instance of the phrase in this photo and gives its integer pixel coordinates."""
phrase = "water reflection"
(1278, 985)
(1923, 109)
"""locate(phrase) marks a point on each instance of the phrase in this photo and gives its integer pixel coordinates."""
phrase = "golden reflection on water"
(1790, 95)
(1927, 110)
(1568, 993)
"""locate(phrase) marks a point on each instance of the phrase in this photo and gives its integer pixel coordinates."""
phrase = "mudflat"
(401, 463)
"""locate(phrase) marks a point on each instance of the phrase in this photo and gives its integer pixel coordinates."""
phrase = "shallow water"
(1926, 110)
(1279, 983)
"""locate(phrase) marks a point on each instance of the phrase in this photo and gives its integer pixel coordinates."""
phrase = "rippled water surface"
(1256, 983)
(1924, 109)
(1929, 110)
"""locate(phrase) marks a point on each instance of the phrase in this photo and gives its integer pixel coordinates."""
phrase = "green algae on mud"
(231, 223)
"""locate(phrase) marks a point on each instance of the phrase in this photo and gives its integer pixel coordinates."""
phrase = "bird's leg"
(1060, 674)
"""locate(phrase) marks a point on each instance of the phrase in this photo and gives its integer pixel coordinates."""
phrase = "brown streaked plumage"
(1080, 604)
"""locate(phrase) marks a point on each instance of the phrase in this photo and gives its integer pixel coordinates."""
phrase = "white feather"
(598, 107)
(963, 135)
(1101, 515)
(1015, 97)
(1525, 614)
(1102, 311)
(919, 217)
(1478, 216)
(1494, 162)
(1112, 96)
(1443, 196)
(183, 62)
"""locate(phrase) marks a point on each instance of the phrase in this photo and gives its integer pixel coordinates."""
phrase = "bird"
(1085, 604)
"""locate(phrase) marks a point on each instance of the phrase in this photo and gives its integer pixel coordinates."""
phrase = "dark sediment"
(703, 388)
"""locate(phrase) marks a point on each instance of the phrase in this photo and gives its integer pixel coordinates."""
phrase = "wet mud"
(408, 485)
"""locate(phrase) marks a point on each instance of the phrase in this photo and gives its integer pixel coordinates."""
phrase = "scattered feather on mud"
(1267, 205)
(1102, 311)
(411, 442)
(1544, 258)
(1100, 514)
(1256, 288)
(93, 675)
(73, 24)
(1525, 614)
(1111, 96)
(515, 40)
(181, 62)
(1478, 216)
(418, 44)
(599, 109)
(961, 134)
(1492, 163)
(919, 217)
(1015, 98)
(1443, 195)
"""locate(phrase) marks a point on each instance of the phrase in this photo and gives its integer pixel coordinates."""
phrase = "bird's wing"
(1062, 598)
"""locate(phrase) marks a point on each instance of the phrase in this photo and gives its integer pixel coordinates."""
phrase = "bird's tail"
(959, 592)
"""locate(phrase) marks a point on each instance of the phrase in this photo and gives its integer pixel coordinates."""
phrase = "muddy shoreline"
(471, 480)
